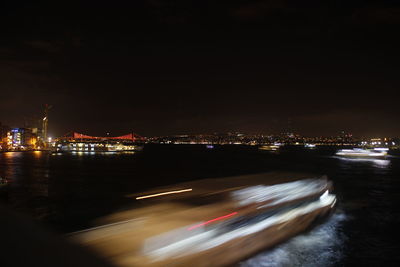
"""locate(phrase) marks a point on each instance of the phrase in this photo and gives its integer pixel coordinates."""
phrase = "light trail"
(166, 193)
(213, 220)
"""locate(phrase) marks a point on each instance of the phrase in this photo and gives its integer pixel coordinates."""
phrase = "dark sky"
(160, 67)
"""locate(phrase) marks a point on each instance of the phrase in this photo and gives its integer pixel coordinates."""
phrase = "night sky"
(160, 67)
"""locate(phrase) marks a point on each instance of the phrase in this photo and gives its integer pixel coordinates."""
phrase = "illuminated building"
(21, 139)
(45, 123)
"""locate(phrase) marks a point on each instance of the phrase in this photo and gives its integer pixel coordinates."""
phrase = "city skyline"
(278, 128)
(288, 132)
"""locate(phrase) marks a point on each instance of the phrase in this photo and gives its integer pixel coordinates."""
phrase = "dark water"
(67, 191)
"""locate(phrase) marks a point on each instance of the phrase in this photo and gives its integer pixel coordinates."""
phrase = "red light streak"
(213, 220)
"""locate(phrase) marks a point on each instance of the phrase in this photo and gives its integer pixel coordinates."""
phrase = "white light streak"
(166, 193)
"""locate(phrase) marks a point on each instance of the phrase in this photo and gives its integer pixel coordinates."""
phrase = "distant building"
(21, 139)
(3, 136)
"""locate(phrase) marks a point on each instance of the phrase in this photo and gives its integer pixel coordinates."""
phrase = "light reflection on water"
(323, 246)
(86, 153)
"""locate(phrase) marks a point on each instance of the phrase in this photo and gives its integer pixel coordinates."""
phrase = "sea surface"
(66, 192)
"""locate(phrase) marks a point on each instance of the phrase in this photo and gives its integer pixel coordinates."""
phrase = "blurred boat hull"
(240, 216)
(361, 153)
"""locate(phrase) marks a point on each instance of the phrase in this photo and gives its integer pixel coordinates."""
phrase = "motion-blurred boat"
(309, 146)
(269, 147)
(212, 222)
(363, 153)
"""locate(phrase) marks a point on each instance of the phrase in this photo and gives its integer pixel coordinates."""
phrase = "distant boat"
(209, 146)
(309, 146)
(269, 147)
(3, 183)
(363, 153)
(97, 147)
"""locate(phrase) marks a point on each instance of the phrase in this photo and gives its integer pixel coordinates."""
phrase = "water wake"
(323, 246)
